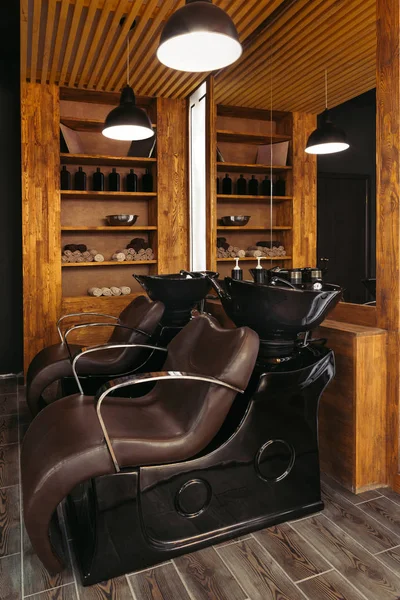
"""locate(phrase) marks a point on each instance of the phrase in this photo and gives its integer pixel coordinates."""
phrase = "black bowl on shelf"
(120, 220)
(239, 220)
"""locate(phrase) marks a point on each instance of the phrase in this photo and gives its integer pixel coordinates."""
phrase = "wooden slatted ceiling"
(80, 43)
(287, 60)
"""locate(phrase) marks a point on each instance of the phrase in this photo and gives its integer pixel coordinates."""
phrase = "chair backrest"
(204, 348)
(141, 314)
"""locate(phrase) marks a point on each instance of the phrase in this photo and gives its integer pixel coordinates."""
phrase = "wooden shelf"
(245, 228)
(87, 125)
(248, 198)
(110, 263)
(102, 159)
(228, 167)
(251, 138)
(101, 298)
(110, 228)
(91, 195)
(249, 258)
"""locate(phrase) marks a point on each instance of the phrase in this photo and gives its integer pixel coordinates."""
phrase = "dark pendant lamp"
(127, 121)
(199, 37)
(327, 138)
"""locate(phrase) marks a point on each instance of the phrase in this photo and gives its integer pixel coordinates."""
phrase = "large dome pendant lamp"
(327, 138)
(128, 121)
(199, 37)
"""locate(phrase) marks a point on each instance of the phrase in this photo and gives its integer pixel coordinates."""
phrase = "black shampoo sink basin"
(273, 311)
(179, 292)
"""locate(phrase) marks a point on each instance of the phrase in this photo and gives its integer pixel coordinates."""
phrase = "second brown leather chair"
(135, 325)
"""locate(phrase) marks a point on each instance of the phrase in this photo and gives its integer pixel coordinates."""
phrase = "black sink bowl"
(179, 292)
(275, 312)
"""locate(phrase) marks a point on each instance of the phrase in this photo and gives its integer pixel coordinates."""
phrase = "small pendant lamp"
(327, 138)
(199, 37)
(127, 121)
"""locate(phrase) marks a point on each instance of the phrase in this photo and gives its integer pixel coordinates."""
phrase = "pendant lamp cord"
(127, 60)
(326, 88)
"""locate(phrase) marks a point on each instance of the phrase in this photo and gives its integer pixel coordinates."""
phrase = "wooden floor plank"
(10, 530)
(330, 586)
(36, 577)
(10, 577)
(206, 576)
(66, 592)
(8, 430)
(259, 575)
(160, 583)
(8, 385)
(356, 523)
(386, 512)
(363, 570)
(353, 498)
(8, 404)
(388, 493)
(391, 558)
(113, 589)
(298, 559)
(9, 470)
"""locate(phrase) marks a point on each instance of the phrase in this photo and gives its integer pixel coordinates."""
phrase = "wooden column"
(388, 212)
(211, 170)
(304, 193)
(40, 135)
(173, 198)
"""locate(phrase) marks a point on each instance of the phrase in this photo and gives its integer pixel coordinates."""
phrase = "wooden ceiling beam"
(51, 12)
(35, 38)
(91, 55)
(59, 39)
(92, 8)
(71, 40)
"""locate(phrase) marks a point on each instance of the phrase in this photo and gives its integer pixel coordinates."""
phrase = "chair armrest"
(95, 314)
(121, 382)
(84, 325)
(84, 351)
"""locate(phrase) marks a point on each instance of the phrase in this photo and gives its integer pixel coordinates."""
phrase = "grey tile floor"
(350, 551)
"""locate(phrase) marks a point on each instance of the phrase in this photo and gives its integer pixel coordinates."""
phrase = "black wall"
(357, 117)
(10, 193)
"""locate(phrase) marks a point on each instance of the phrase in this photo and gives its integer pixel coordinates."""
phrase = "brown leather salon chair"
(136, 324)
(82, 437)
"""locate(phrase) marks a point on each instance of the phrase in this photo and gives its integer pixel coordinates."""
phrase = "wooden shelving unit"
(91, 195)
(110, 263)
(237, 131)
(83, 213)
(110, 228)
(100, 160)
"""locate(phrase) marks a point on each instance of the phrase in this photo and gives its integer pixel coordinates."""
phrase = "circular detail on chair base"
(274, 460)
(193, 498)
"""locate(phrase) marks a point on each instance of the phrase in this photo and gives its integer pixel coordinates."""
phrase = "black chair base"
(262, 470)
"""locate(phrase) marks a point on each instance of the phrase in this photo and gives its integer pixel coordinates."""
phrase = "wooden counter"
(352, 410)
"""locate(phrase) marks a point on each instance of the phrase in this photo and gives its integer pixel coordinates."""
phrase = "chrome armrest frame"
(94, 314)
(106, 347)
(121, 382)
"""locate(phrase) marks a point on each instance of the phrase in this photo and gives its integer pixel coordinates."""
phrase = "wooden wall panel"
(173, 201)
(388, 211)
(211, 170)
(40, 215)
(304, 193)
(352, 414)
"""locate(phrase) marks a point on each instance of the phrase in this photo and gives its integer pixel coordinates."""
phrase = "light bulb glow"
(199, 51)
(127, 132)
(329, 148)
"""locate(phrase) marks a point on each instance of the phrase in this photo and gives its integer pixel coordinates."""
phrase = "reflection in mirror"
(346, 202)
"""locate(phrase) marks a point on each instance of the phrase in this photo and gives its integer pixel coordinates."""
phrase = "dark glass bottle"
(147, 182)
(280, 187)
(114, 181)
(253, 186)
(218, 188)
(98, 181)
(80, 180)
(65, 179)
(266, 186)
(241, 186)
(227, 185)
(131, 181)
